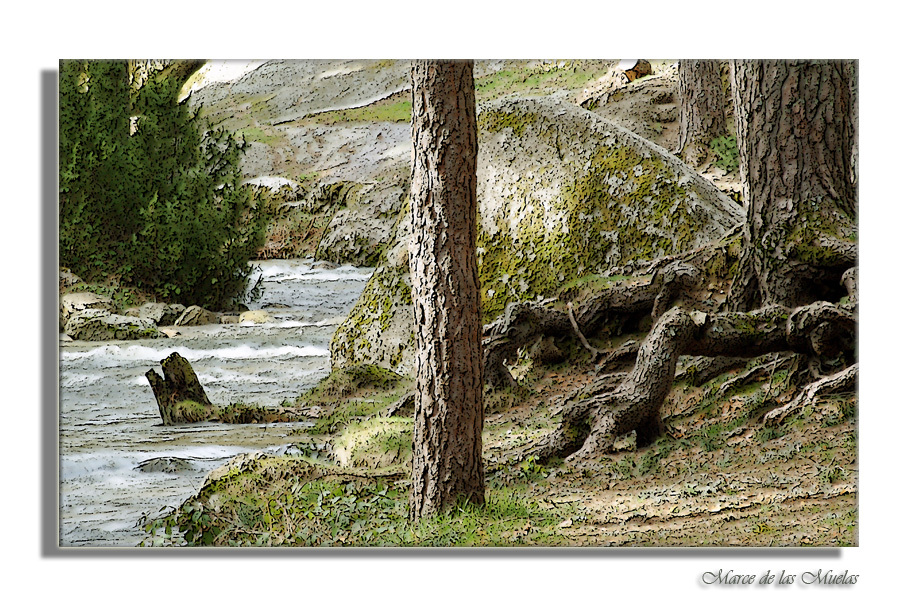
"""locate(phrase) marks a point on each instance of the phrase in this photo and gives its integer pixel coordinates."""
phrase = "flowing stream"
(117, 460)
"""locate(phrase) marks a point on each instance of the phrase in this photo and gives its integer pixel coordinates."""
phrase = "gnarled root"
(591, 425)
(841, 381)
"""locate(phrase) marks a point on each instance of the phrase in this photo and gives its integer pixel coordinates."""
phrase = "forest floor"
(718, 478)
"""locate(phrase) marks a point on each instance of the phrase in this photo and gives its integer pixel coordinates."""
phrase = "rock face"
(68, 279)
(562, 194)
(256, 316)
(73, 304)
(357, 234)
(100, 325)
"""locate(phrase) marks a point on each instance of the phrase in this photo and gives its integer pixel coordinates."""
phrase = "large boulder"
(195, 315)
(99, 325)
(76, 303)
(357, 234)
(562, 193)
(162, 314)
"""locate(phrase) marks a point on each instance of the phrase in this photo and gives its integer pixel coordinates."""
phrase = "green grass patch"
(255, 134)
(326, 513)
(396, 108)
(539, 80)
(353, 381)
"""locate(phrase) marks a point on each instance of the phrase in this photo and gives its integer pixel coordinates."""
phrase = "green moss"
(496, 121)
(191, 411)
(372, 315)
(542, 79)
(342, 383)
(618, 211)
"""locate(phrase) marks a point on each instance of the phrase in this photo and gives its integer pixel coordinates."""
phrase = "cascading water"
(118, 462)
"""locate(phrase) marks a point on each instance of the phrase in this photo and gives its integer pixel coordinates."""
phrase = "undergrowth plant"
(372, 512)
(727, 153)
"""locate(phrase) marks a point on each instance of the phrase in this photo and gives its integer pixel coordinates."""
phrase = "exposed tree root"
(842, 381)
(758, 372)
(589, 426)
(524, 322)
(698, 370)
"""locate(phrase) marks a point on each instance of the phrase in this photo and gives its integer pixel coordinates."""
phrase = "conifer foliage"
(149, 193)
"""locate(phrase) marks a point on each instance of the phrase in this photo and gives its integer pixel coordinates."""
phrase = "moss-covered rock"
(99, 325)
(351, 381)
(562, 194)
(359, 230)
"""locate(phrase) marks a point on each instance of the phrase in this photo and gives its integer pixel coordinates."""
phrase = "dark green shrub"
(148, 192)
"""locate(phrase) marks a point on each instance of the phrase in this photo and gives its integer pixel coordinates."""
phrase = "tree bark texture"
(795, 135)
(702, 115)
(447, 466)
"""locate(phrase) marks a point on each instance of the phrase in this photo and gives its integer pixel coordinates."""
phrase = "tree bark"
(702, 116)
(795, 136)
(447, 465)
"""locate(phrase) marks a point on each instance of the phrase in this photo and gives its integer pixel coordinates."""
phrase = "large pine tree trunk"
(701, 109)
(795, 137)
(447, 462)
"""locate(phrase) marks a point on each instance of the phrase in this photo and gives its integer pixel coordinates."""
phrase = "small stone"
(256, 316)
(196, 315)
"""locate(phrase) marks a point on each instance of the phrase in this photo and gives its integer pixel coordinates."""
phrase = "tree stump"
(180, 396)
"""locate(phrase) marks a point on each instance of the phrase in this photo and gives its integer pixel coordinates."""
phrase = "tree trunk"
(701, 109)
(795, 137)
(447, 466)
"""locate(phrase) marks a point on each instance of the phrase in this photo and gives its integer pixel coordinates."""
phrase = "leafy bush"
(727, 153)
(148, 192)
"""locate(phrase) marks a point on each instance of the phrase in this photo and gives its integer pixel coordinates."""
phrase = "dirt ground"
(719, 478)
